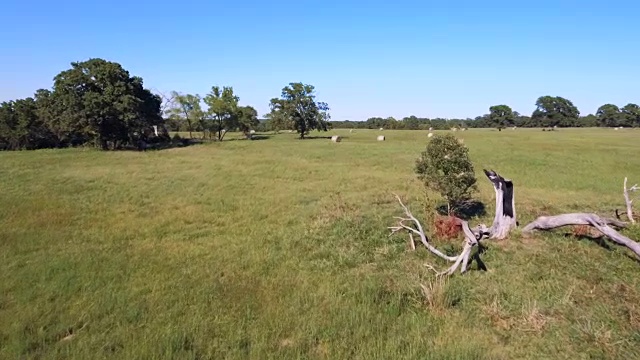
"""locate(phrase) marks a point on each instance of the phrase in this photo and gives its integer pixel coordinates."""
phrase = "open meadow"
(278, 248)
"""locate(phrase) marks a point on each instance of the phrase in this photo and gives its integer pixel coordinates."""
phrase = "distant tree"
(186, 108)
(555, 111)
(297, 106)
(588, 120)
(223, 109)
(247, 118)
(98, 101)
(445, 167)
(277, 120)
(609, 115)
(324, 117)
(501, 116)
(631, 115)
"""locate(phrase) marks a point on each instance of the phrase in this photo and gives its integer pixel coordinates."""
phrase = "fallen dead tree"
(504, 221)
(603, 225)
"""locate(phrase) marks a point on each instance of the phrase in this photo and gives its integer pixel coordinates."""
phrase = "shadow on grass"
(185, 142)
(598, 240)
(467, 211)
(322, 137)
(254, 137)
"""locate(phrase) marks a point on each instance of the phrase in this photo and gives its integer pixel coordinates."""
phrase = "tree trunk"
(505, 217)
(628, 201)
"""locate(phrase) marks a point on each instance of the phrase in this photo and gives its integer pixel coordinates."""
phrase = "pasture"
(278, 249)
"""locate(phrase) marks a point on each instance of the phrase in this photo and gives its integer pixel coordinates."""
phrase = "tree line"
(551, 111)
(99, 103)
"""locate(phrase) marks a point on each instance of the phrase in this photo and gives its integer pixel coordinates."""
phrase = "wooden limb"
(505, 217)
(419, 231)
(472, 238)
(602, 224)
(627, 199)
(412, 242)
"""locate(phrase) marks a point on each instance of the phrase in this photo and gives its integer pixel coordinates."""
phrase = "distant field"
(278, 249)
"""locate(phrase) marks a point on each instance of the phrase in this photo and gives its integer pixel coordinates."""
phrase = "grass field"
(278, 249)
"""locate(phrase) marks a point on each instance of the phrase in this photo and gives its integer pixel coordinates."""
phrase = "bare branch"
(602, 224)
(627, 199)
(419, 232)
(461, 260)
(551, 222)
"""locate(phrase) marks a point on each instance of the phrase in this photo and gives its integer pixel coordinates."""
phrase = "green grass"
(278, 249)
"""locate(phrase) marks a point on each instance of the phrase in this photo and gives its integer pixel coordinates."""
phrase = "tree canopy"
(94, 102)
(297, 108)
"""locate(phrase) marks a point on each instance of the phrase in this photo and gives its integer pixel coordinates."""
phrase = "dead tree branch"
(504, 221)
(461, 260)
(602, 224)
(627, 199)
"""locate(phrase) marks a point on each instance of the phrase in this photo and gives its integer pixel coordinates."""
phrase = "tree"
(501, 116)
(555, 111)
(186, 108)
(445, 167)
(609, 115)
(277, 120)
(223, 109)
(631, 115)
(247, 118)
(98, 101)
(297, 106)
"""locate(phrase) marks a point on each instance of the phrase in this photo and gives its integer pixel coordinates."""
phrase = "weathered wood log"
(505, 217)
(602, 224)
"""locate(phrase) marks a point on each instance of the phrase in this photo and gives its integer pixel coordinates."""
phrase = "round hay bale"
(430, 135)
(381, 138)
(336, 138)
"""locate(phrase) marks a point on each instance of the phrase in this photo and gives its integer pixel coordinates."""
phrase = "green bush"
(445, 167)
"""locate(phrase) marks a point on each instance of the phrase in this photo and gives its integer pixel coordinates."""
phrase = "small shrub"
(446, 168)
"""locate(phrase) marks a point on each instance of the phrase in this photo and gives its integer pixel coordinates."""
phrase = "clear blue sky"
(366, 58)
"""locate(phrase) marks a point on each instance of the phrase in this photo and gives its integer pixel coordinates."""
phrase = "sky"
(451, 59)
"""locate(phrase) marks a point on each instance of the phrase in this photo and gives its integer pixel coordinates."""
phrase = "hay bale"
(252, 132)
(381, 129)
(381, 138)
(430, 129)
(336, 138)
(430, 135)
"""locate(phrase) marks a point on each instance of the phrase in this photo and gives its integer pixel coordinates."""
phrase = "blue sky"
(365, 58)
